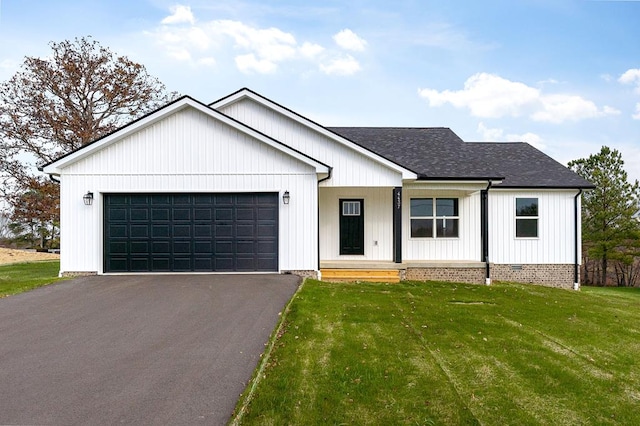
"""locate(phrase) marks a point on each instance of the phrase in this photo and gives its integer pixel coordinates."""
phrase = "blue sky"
(561, 75)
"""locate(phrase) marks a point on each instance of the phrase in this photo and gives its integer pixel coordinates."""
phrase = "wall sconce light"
(88, 198)
(286, 197)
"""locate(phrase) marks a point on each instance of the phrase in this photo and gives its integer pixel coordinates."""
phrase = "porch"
(386, 271)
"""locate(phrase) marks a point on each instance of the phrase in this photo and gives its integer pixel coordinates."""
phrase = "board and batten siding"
(556, 236)
(467, 247)
(187, 152)
(350, 168)
(378, 223)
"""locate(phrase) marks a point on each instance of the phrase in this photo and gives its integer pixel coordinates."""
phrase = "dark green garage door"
(191, 232)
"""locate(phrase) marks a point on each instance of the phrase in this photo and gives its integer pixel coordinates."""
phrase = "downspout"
(485, 236)
(54, 179)
(318, 216)
(576, 266)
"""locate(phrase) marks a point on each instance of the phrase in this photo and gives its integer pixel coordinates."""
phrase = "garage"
(191, 232)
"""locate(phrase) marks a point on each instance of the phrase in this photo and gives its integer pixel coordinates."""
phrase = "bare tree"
(57, 104)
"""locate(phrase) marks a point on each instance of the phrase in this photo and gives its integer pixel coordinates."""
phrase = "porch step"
(368, 275)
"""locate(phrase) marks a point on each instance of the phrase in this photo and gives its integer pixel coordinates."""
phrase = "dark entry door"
(352, 226)
(191, 232)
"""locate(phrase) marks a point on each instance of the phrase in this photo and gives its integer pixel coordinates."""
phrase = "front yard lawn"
(19, 277)
(440, 353)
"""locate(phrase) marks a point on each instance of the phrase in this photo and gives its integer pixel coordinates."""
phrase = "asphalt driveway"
(152, 349)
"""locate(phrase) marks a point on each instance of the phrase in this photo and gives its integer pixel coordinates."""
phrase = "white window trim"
(537, 218)
(434, 218)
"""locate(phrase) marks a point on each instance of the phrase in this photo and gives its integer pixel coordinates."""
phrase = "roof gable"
(245, 93)
(182, 103)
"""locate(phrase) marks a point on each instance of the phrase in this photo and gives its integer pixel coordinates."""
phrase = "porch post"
(397, 225)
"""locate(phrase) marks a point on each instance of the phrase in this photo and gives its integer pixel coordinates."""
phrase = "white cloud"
(341, 66)
(349, 40)
(181, 15)
(486, 95)
(271, 43)
(249, 63)
(491, 96)
(631, 76)
(636, 116)
(254, 49)
(497, 135)
(311, 50)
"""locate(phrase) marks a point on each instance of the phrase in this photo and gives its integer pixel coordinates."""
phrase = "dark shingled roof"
(439, 154)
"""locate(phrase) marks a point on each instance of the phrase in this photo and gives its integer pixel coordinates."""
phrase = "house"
(247, 185)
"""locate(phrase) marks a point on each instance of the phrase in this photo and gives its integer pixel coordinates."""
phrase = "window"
(434, 217)
(526, 217)
(351, 208)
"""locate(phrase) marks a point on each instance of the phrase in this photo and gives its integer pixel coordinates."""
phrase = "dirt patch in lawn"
(16, 256)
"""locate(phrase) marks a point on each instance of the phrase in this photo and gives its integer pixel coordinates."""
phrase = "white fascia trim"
(245, 93)
(459, 185)
(56, 167)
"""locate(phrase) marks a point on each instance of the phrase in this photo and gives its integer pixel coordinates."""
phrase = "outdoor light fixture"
(88, 198)
(286, 197)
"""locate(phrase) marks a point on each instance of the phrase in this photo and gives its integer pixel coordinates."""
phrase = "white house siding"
(350, 168)
(467, 247)
(555, 242)
(187, 152)
(378, 223)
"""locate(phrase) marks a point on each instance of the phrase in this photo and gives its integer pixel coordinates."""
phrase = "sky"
(562, 75)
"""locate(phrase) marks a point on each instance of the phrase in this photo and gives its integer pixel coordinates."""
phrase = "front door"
(352, 226)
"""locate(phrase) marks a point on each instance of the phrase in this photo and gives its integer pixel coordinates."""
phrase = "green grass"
(20, 277)
(440, 353)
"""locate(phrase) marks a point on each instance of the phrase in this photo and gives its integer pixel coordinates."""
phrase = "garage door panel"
(245, 248)
(139, 215)
(161, 247)
(224, 264)
(245, 230)
(181, 264)
(139, 231)
(202, 214)
(181, 231)
(119, 247)
(160, 264)
(160, 214)
(139, 264)
(202, 231)
(118, 231)
(267, 264)
(139, 200)
(139, 247)
(202, 264)
(118, 214)
(245, 214)
(202, 247)
(191, 232)
(181, 215)
(160, 231)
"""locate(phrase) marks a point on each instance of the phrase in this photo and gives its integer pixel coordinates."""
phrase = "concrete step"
(368, 275)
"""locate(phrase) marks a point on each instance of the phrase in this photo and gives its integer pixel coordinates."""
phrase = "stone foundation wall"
(560, 276)
(459, 275)
(72, 274)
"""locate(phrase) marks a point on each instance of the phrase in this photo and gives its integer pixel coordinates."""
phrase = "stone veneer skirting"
(472, 275)
(303, 274)
(550, 275)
